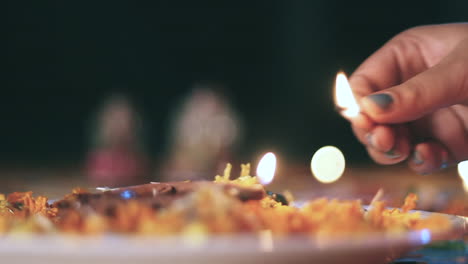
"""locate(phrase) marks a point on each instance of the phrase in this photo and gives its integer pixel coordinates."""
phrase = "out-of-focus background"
(174, 89)
(274, 62)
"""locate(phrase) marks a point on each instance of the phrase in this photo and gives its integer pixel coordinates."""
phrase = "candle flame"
(344, 97)
(463, 172)
(266, 168)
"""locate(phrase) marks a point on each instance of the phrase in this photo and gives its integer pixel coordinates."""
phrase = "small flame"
(344, 97)
(266, 168)
(463, 172)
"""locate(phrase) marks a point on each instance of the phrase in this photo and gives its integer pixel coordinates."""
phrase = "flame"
(266, 168)
(344, 97)
(463, 172)
(327, 164)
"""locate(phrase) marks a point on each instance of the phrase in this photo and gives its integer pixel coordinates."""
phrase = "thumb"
(443, 85)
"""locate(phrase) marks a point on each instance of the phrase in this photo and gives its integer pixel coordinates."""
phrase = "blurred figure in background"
(116, 157)
(202, 136)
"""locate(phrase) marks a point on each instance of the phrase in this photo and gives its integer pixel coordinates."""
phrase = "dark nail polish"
(417, 159)
(392, 154)
(382, 100)
(444, 164)
(369, 139)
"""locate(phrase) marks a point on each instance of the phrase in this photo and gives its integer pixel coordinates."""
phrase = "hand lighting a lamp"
(347, 105)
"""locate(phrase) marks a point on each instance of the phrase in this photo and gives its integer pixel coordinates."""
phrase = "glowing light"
(463, 172)
(344, 97)
(266, 240)
(266, 168)
(127, 194)
(425, 236)
(105, 189)
(327, 164)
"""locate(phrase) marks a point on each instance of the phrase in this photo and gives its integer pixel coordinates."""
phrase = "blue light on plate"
(425, 236)
(127, 194)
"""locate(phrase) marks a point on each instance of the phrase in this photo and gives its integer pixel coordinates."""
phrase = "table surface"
(435, 192)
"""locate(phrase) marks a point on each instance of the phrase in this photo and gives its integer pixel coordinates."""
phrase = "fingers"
(416, 74)
(407, 54)
(380, 138)
(440, 86)
(400, 149)
(395, 62)
(447, 145)
(448, 127)
(428, 157)
(385, 144)
(363, 122)
(385, 68)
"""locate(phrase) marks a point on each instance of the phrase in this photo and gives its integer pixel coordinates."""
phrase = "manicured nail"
(417, 158)
(392, 154)
(444, 164)
(382, 100)
(369, 140)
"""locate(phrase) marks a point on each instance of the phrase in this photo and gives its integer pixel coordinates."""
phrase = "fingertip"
(429, 157)
(402, 142)
(377, 105)
(387, 107)
(360, 134)
(360, 84)
(363, 122)
(384, 158)
(421, 160)
(398, 153)
(382, 138)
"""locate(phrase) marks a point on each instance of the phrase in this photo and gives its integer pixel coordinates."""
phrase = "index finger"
(395, 62)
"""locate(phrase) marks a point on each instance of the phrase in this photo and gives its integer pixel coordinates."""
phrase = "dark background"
(276, 59)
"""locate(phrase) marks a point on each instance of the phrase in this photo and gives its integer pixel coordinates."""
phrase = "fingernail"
(417, 158)
(369, 140)
(392, 154)
(444, 164)
(382, 100)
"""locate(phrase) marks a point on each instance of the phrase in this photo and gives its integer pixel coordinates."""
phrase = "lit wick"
(344, 98)
(266, 168)
(266, 172)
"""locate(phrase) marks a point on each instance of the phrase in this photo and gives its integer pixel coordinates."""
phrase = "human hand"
(413, 94)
